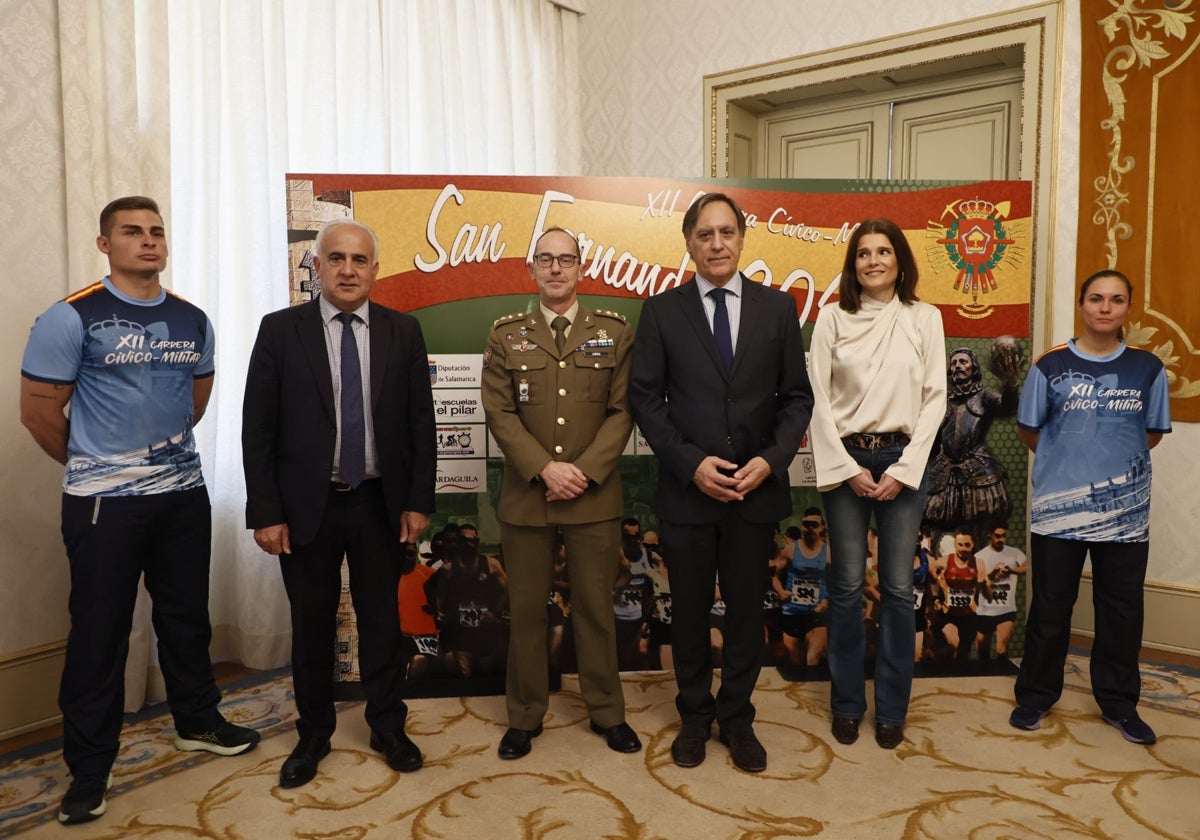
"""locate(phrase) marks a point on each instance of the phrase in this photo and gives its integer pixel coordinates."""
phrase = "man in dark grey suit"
(720, 391)
(339, 453)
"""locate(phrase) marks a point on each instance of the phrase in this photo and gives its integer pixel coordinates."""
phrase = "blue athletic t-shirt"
(1091, 473)
(133, 364)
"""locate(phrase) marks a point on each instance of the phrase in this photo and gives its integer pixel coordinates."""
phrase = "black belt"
(866, 440)
(343, 487)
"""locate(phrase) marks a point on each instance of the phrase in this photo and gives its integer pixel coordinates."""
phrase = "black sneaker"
(226, 739)
(1027, 717)
(1133, 729)
(84, 800)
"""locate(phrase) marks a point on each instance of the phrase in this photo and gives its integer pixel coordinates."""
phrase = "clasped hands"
(884, 490)
(563, 481)
(730, 488)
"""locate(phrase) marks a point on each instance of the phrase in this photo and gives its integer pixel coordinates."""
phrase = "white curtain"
(115, 101)
(211, 103)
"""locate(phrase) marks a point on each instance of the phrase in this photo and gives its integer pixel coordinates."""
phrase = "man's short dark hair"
(437, 546)
(693, 212)
(631, 547)
(129, 202)
(468, 533)
(631, 520)
(814, 511)
(410, 559)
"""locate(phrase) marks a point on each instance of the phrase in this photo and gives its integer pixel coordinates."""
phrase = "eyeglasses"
(547, 260)
(811, 523)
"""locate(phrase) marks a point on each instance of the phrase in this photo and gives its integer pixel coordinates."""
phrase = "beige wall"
(33, 619)
(32, 242)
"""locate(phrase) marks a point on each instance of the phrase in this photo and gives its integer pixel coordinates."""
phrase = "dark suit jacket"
(289, 428)
(688, 408)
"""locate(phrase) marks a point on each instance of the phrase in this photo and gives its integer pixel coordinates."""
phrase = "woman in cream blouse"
(878, 370)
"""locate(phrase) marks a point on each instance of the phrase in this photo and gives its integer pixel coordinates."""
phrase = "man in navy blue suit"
(721, 392)
(339, 453)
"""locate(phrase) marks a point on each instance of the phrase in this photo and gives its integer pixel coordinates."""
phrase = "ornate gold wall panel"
(1140, 173)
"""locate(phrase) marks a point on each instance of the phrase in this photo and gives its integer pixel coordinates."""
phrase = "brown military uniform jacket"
(541, 406)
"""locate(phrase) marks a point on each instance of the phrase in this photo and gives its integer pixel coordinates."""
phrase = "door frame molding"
(1038, 29)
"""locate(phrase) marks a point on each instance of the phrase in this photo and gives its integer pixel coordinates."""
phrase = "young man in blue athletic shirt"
(135, 362)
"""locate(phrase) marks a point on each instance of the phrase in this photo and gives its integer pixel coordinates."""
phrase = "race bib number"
(426, 645)
(662, 608)
(630, 597)
(470, 615)
(805, 593)
(960, 599)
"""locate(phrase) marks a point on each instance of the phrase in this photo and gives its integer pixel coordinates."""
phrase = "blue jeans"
(848, 516)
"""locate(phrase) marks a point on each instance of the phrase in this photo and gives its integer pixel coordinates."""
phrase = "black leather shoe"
(687, 750)
(398, 750)
(620, 738)
(889, 735)
(517, 743)
(745, 749)
(845, 730)
(300, 767)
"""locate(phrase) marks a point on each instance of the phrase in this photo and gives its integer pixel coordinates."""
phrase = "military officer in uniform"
(554, 383)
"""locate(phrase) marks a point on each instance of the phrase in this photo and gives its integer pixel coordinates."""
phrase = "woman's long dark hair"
(850, 290)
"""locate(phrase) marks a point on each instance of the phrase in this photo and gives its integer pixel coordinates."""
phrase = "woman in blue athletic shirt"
(1091, 411)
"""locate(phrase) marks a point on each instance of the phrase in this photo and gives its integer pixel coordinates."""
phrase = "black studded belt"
(865, 440)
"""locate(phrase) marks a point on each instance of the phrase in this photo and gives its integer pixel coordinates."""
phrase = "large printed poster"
(453, 252)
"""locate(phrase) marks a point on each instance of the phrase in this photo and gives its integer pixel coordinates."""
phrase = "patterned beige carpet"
(961, 773)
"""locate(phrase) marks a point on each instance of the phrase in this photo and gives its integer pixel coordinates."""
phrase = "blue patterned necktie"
(721, 328)
(353, 455)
